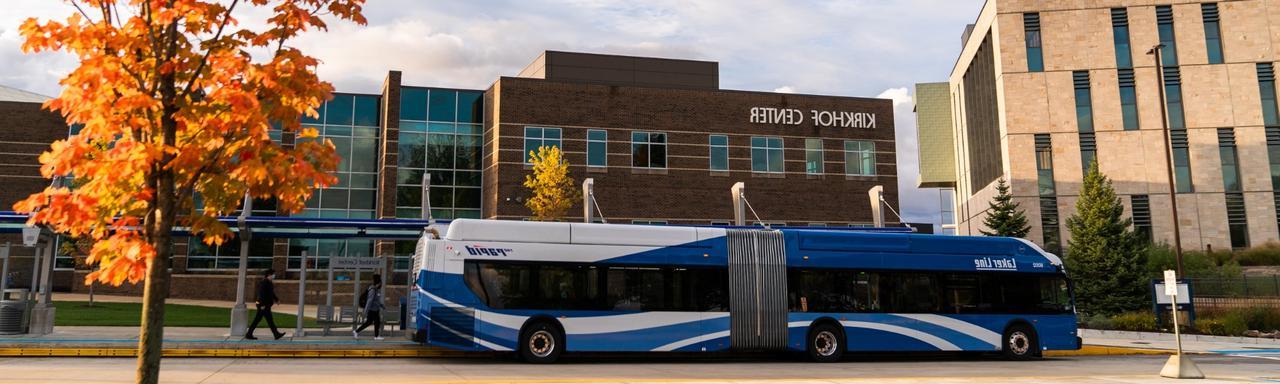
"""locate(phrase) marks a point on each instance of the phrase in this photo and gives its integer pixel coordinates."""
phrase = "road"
(647, 369)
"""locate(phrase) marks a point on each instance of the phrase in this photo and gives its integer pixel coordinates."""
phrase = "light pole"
(1168, 159)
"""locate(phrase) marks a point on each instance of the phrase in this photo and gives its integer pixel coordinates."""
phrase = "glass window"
(468, 152)
(597, 148)
(470, 107)
(1084, 104)
(1128, 100)
(366, 110)
(1044, 164)
(1267, 91)
(339, 110)
(1031, 25)
(719, 145)
(440, 151)
(833, 291)
(1164, 26)
(443, 105)
(1182, 170)
(1173, 95)
(813, 156)
(859, 158)
(648, 150)
(766, 154)
(1120, 33)
(909, 293)
(1212, 36)
(413, 104)
(412, 150)
(536, 137)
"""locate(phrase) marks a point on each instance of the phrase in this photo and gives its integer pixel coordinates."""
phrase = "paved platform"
(651, 368)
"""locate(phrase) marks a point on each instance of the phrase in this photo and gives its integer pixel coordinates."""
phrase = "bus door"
(757, 289)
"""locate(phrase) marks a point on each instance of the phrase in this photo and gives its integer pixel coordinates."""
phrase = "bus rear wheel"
(541, 343)
(1020, 343)
(825, 343)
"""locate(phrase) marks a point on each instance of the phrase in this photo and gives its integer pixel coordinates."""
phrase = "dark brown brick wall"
(26, 130)
(685, 192)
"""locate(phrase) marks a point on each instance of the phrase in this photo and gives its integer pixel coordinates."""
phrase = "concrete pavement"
(646, 369)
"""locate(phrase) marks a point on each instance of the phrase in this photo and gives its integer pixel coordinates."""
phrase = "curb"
(1099, 350)
(176, 352)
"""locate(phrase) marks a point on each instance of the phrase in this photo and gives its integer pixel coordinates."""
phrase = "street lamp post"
(1168, 159)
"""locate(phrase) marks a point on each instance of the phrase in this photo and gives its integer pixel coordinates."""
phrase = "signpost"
(1179, 366)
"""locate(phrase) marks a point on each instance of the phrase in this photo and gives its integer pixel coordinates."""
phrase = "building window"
(1120, 33)
(1164, 25)
(1212, 34)
(597, 148)
(1044, 164)
(719, 145)
(1049, 222)
(649, 222)
(1141, 206)
(1088, 150)
(1173, 97)
(859, 158)
(1031, 25)
(449, 150)
(320, 250)
(1230, 161)
(537, 137)
(648, 150)
(1267, 90)
(227, 256)
(350, 122)
(1181, 161)
(1237, 221)
(766, 154)
(1084, 103)
(1128, 100)
(813, 156)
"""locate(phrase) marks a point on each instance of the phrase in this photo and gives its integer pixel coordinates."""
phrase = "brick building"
(1043, 89)
(26, 130)
(662, 141)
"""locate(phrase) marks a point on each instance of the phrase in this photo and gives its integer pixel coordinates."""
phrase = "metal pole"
(739, 212)
(426, 198)
(4, 276)
(876, 194)
(46, 279)
(302, 295)
(1176, 333)
(1168, 160)
(239, 313)
(588, 194)
(35, 273)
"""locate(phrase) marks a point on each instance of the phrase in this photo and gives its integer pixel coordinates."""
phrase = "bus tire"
(541, 343)
(1020, 343)
(825, 343)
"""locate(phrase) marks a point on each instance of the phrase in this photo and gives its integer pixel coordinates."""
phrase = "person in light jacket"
(372, 309)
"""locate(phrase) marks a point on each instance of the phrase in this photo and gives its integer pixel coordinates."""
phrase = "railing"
(1206, 302)
(1243, 286)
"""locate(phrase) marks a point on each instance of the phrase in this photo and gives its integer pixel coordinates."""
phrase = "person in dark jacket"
(266, 298)
(372, 309)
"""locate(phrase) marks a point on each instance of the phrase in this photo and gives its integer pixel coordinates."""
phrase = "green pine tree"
(1104, 257)
(1004, 217)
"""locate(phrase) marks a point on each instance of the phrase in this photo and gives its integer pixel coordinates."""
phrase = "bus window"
(635, 289)
(961, 294)
(833, 291)
(1055, 296)
(909, 293)
(507, 285)
(567, 287)
(709, 289)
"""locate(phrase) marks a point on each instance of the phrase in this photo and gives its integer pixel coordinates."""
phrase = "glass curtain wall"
(440, 133)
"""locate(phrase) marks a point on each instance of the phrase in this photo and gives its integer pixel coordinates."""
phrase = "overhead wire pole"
(1168, 159)
(239, 313)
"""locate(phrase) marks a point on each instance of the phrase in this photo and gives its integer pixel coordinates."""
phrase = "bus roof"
(577, 233)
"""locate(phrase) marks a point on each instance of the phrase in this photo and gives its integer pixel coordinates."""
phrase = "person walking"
(372, 302)
(266, 298)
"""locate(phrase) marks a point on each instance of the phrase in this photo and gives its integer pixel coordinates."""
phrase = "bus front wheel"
(1020, 343)
(826, 343)
(541, 343)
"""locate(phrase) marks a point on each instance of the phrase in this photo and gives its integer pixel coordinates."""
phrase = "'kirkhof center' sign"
(792, 116)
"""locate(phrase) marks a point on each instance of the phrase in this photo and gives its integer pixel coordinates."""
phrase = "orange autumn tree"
(176, 99)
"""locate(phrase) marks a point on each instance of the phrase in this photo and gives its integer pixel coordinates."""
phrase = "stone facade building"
(1044, 88)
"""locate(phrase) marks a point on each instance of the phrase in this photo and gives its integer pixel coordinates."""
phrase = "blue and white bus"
(539, 289)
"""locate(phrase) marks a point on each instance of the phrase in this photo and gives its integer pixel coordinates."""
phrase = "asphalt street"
(638, 369)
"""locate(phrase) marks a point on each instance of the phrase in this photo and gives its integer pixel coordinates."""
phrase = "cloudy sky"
(851, 47)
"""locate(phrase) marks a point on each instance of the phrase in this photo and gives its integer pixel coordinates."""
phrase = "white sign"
(30, 236)
(1163, 296)
(792, 116)
(355, 263)
(1171, 283)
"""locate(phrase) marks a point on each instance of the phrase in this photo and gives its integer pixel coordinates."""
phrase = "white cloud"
(785, 89)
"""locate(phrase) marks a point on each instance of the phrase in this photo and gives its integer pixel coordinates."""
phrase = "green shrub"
(1102, 322)
(1266, 254)
(1135, 321)
(1235, 322)
(1211, 327)
(1195, 264)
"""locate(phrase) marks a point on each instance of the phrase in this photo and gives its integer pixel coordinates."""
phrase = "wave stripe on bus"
(478, 340)
(936, 342)
(595, 324)
(690, 341)
(961, 326)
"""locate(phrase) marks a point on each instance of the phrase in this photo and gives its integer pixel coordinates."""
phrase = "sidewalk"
(1224, 345)
(290, 309)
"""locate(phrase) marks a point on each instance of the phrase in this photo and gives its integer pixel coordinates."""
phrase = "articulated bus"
(539, 289)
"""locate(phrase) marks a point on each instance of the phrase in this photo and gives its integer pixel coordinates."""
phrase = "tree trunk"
(151, 336)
